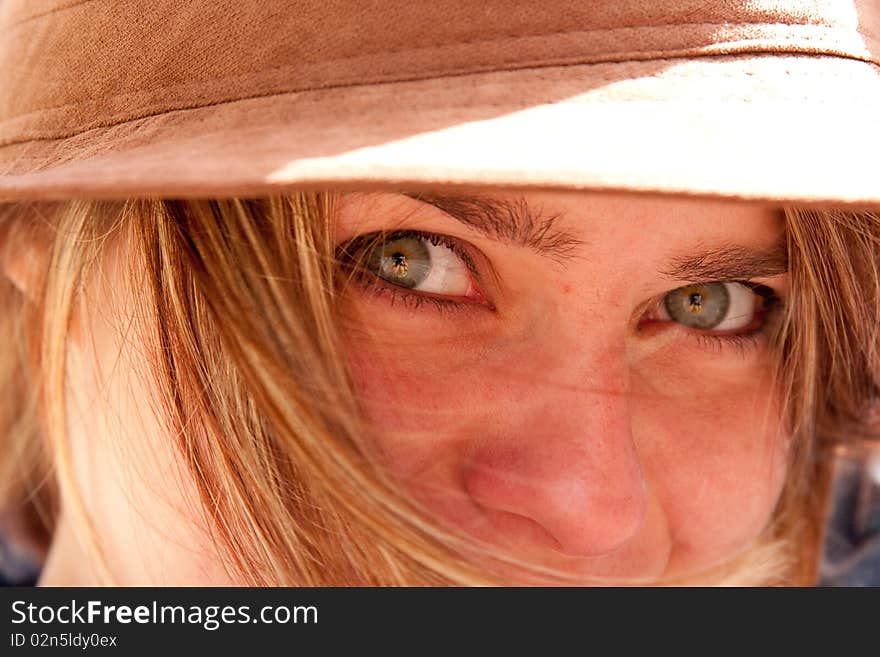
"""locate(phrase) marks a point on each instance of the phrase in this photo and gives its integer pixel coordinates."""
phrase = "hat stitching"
(65, 135)
(814, 75)
(732, 47)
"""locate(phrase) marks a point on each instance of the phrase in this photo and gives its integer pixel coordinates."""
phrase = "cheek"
(716, 461)
(142, 502)
(707, 438)
(426, 406)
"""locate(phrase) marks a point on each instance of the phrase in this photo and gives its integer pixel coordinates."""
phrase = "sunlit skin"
(550, 419)
(550, 413)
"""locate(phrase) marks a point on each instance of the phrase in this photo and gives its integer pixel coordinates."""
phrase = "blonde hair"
(248, 362)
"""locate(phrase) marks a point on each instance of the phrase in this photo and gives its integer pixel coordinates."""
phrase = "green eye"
(704, 306)
(422, 262)
(405, 261)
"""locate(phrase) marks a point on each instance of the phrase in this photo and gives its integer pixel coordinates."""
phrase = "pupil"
(404, 260)
(700, 306)
(398, 262)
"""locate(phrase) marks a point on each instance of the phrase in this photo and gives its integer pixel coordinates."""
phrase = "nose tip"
(596, 524)
(587, 505)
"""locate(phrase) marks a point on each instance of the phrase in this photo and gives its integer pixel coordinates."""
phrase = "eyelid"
(460, 247)
(656, 306)
(473, 258)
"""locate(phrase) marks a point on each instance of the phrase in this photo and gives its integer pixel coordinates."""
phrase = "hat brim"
(769, 127)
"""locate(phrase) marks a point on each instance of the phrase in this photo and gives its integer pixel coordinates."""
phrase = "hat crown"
(748, 99)
(66, 67)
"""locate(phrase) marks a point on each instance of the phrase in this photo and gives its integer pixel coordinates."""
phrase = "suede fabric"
(775, 100)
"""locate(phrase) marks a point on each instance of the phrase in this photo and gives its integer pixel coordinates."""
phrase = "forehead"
(654, 219)
(560, 224)
(674, 238)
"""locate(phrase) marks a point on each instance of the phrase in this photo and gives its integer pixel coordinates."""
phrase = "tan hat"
(758, 99)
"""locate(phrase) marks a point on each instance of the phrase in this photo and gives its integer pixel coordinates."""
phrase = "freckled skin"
(555, 432)
(552, 429)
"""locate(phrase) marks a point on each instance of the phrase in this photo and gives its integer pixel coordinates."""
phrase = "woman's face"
(580, 382)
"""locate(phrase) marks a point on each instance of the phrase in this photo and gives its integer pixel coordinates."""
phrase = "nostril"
(516, 530)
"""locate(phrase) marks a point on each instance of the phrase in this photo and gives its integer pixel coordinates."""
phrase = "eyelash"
(351, 260)
(416, 300)
(742, 343)
(749, 341)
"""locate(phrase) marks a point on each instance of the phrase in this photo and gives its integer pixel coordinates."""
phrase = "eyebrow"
(516, 222)
(730, 263)
(510, 221)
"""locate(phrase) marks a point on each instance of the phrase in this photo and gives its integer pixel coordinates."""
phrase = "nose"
(569, 466)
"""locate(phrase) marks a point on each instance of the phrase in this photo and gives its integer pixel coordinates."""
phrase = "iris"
(405, 261)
